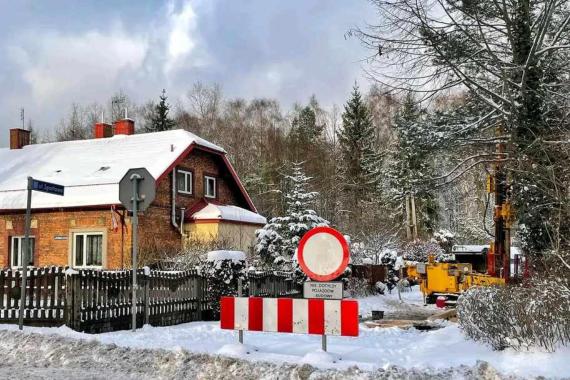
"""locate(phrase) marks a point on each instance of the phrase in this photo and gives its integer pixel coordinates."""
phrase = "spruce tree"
(411, 164)
(160, 121)
(279, 238)
(360, 164)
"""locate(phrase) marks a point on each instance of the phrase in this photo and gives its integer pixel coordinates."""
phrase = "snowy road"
(39, 356)
(193, 349)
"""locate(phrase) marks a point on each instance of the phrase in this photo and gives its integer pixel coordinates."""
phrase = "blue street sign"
(47, 187)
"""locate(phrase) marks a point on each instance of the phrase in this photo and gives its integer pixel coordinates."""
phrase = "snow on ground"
(34, 356)
(429, 352)
(410, 307)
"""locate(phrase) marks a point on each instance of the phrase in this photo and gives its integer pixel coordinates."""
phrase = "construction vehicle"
(450, 280)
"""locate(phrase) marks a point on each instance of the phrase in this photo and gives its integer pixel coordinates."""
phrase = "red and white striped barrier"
(290, 315)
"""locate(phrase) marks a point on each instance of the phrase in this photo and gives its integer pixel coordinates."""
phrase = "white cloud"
(183, 39)
(90, 63)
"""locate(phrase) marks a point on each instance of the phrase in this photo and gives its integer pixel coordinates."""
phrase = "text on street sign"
(47, 187)
(323, 290)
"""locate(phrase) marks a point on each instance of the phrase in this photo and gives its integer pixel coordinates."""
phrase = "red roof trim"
(176, 162)
(226, 162)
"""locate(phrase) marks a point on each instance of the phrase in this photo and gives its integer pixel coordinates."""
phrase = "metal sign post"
(323, 255)
(45, 187)
(135, 178)
(240, 291)
(137, 190)
(24, 256)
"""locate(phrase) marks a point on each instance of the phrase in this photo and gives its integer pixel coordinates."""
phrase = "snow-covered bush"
(223, 270)
(518, 316)
(359, 287)
(192, 254)
(445, 239)
(368, 249)
(419, 251)
(380, 287)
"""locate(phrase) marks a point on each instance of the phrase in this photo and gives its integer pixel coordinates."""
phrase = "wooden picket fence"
(273, 284)
(100, 301)
(97, 301)
(45, 296)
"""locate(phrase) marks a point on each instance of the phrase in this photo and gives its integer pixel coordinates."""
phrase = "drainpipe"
(182, 211)
(173, 214)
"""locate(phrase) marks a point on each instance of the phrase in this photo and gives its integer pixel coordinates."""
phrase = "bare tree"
(510, 57)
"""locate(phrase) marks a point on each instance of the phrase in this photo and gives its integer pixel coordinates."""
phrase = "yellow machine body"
(451, 279)
(412, 272)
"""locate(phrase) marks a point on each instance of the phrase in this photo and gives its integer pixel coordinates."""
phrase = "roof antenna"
(22, 117)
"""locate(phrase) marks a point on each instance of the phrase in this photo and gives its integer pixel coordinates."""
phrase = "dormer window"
(209, 187)
(184, 181)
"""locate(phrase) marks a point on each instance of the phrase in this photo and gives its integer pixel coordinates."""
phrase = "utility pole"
(502, 216)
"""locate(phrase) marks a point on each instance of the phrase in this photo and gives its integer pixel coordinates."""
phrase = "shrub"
(359, 287)
(223, 270)
(518, 316)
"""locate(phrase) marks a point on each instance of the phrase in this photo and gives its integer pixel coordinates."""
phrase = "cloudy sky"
(53, 53)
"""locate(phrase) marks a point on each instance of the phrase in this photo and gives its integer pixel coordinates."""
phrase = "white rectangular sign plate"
(323, 290)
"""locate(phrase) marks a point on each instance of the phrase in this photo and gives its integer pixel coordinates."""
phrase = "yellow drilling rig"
(451, 279)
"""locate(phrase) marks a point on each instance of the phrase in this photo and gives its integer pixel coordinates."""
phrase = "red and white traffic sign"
(290, 315)
(323, 254)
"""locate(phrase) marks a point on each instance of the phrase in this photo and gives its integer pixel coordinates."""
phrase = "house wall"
(156, 232)
(241, 235)
(52, 232)
(236, 235)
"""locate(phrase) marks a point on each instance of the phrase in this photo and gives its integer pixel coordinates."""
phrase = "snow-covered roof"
(469, 248)
(232, 213)
(226, 255)
(90, 170)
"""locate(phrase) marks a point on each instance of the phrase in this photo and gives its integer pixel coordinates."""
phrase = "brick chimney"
(102, 130)
(19, 138)
(125, 126)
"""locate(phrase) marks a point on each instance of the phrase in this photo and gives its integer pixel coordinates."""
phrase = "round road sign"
(323, 254)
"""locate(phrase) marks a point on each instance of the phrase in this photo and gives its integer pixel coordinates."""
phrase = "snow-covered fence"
(272, 284)
(370, 272)
(45, 296)
(99, 301)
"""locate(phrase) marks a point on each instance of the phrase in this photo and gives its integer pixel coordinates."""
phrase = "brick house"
(198, 196)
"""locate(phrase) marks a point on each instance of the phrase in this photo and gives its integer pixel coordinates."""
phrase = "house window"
(209, 187)
(16, 249)
(87, 249)
(184, 181)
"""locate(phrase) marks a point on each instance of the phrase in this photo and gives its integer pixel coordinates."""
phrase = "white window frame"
(85, 234)
(188, 181)
(20, 248)
(206, 178)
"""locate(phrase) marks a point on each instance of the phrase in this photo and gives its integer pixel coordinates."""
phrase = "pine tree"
(411, 164)
(277, 241)
(304, 128)
(160, 121)
(360, 164)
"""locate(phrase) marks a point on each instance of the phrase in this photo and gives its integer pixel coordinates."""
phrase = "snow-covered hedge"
(516, 316)
(419, 251)
(223, 270)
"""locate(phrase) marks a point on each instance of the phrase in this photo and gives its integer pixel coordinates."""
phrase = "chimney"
(102, 130)
(19, 138)
(125, 126)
